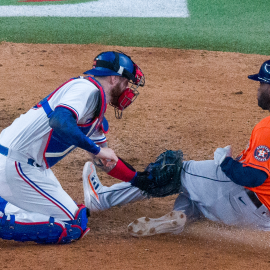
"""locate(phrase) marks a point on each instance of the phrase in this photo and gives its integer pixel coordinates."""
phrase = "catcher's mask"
(119, 64)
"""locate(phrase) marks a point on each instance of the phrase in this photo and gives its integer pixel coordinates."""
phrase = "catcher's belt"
(16, 155)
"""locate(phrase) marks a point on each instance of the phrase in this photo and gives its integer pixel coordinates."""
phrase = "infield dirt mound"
(193, 100)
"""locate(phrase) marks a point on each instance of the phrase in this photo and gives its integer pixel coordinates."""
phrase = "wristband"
(122, 172)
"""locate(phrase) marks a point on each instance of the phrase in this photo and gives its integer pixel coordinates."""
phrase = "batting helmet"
(116, 64)
(264, 73)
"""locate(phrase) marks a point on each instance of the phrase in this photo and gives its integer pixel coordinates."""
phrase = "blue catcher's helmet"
(264, 73)
(116, 64)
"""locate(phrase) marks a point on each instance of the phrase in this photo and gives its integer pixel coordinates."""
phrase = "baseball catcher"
(33, 205)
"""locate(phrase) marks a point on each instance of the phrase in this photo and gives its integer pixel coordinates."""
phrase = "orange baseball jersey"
(257, 155)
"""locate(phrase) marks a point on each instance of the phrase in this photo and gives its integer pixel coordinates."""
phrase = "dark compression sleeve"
(63, 122)
(243, 176)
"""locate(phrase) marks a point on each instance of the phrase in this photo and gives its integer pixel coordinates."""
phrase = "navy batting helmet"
(264, 73)
(116, 64)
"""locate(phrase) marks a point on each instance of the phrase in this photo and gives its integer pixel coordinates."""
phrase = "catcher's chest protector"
(56, 148)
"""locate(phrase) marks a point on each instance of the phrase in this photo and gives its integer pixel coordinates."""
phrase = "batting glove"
(221, 153)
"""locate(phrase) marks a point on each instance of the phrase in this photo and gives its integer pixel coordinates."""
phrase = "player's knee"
(77, 228)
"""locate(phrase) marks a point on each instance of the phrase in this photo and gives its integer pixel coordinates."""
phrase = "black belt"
(254, 198)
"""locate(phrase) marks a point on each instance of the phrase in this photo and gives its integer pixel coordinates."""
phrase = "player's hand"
(107, 156)
(221, 153)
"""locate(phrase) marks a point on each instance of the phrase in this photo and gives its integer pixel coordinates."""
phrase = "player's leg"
(98, 197)
(43, 206)
(39, 191)
(210, 189)
(219, 199)
(20, 225)
(208, 192)
(184, 211)
(184, 204)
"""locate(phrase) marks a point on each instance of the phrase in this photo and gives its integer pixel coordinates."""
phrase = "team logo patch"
(262, 153)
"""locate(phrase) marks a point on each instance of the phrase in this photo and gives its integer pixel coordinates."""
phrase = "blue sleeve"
(243, 176)
(63, 122)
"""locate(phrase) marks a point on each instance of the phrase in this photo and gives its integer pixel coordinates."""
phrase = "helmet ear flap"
(139, 76)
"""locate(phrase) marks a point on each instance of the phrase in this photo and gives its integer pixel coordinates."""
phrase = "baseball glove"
(161, 178)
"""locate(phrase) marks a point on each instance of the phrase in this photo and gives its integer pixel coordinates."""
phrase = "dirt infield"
(193, 100)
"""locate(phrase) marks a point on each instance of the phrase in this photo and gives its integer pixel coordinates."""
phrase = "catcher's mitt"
(161, 178)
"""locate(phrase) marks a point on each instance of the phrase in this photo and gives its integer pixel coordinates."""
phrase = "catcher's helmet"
(116, 64)
(264, 73)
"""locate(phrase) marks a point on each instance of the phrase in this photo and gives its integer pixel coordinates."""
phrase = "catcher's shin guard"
(50, 232)
(39, 232)
(77, 228)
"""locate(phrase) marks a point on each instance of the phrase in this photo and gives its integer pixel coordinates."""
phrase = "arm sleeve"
(63, 122)
(243, 176)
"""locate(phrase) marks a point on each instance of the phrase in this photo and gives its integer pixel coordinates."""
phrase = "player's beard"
(116, 93)
(264, 101)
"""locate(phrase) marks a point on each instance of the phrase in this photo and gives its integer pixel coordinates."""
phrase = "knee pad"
(50, 232)
(77, 228)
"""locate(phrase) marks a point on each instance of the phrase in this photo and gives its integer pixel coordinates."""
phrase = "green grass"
(225, 25)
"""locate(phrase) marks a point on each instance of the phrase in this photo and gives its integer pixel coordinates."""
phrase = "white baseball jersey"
(31, 134)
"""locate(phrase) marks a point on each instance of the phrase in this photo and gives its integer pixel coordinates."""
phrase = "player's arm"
(243, 176)
(63, 122)
(99, 138)
(121, 170)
